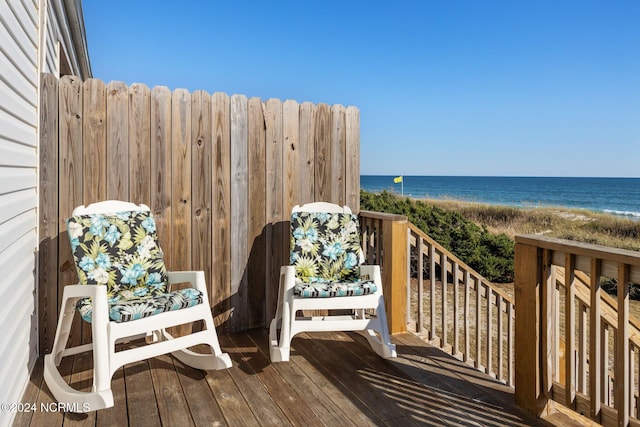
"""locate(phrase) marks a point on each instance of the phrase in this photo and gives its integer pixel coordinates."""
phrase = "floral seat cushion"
(124, 310)
(121, 251)
(334, 289)
(325, 252)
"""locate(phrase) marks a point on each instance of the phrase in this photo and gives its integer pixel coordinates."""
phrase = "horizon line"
(503, 176)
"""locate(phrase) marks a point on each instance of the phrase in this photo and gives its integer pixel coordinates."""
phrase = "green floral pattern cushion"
(137, 308)
(325, 251)
(121, 251)
(334, 289)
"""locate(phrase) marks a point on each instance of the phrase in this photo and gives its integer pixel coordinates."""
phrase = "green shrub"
(489, 254)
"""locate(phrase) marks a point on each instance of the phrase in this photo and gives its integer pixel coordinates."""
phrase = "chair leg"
(279, 350)
(381, 342)
(77, 401)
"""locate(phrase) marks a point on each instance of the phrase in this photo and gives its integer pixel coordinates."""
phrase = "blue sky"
(449, 87)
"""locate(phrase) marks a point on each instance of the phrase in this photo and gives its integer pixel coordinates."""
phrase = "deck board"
(332, 379)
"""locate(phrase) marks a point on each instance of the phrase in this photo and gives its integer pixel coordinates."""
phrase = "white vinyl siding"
(18, 197)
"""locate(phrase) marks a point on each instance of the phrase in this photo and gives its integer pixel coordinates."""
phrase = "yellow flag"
(397, 179)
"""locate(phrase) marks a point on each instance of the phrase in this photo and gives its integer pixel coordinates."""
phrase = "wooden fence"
(220, 173)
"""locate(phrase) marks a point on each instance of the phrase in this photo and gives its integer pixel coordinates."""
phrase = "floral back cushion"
(325, 247)
(120, 251)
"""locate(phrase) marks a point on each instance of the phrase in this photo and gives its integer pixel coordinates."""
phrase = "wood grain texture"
(201, 188)
(275, 214)
(423, 386)
(95, 141)
(256, 266)
(352, 158)
(181, 179)
(70, 182)
(161, 167)
(322, 144)
(306, 155)
(291, 154)
(118, 141)
(139, 144)
(239, 214)
(48, 221)
(338, 151)
(221, 215)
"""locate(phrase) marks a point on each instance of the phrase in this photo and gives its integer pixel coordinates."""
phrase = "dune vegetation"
(482, 235)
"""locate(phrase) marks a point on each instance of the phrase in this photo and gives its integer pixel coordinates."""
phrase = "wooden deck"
(333, 379)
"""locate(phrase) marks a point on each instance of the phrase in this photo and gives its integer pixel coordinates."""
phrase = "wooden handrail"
(458, 261)
(598, 374)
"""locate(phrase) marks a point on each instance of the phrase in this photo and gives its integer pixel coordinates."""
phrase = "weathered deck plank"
(332, 379)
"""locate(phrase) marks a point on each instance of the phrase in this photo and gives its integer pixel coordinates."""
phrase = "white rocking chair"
(124, 292)
(325, 274)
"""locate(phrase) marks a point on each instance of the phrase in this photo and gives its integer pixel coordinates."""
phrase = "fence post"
(394, 273)
(531, 391)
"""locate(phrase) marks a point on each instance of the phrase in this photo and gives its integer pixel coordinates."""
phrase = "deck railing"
(574, 344)
(593, 370)
(455, 298)
(467, 315)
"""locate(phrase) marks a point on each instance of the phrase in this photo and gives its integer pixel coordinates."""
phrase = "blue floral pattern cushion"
(121, 251)
(325, 251)
(137, 308)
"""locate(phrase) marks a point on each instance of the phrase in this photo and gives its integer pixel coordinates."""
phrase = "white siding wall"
(18, 196)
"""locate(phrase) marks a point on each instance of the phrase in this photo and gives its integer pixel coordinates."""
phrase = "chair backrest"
(325, 243)
(115, 244)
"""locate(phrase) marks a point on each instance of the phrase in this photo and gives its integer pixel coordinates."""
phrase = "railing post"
(394, 273)
(530, 306)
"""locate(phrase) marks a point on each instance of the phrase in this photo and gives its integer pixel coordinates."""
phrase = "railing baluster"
(632, 367)
(444, 281)
(582, 348)
(637, 396)
(510, 314)
(569, 328)
(622, 347)
(420, 250)
(489, 367)
(456, 298)
(500, 340)
(595, 340)
(478, 319)
(432, 292)
(604, 351)
(408, 278)
(467, 314)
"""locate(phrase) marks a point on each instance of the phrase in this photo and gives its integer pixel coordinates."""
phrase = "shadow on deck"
(333, 379)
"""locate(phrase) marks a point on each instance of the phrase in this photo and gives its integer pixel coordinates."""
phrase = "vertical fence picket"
(94, 140)
(221, 213)
(257, 266)
(239, 206)
(160, 166)
(71, 180)
(118, 141)
(201, 179)
(352, 158)
(48, 213)
(139, 144)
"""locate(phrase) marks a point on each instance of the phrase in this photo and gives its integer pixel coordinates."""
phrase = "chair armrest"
(288, 276)
(83, 291)
(196, 278)
(98, 294)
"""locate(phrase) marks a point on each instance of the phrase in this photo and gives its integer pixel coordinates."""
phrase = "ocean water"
(619, 196)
